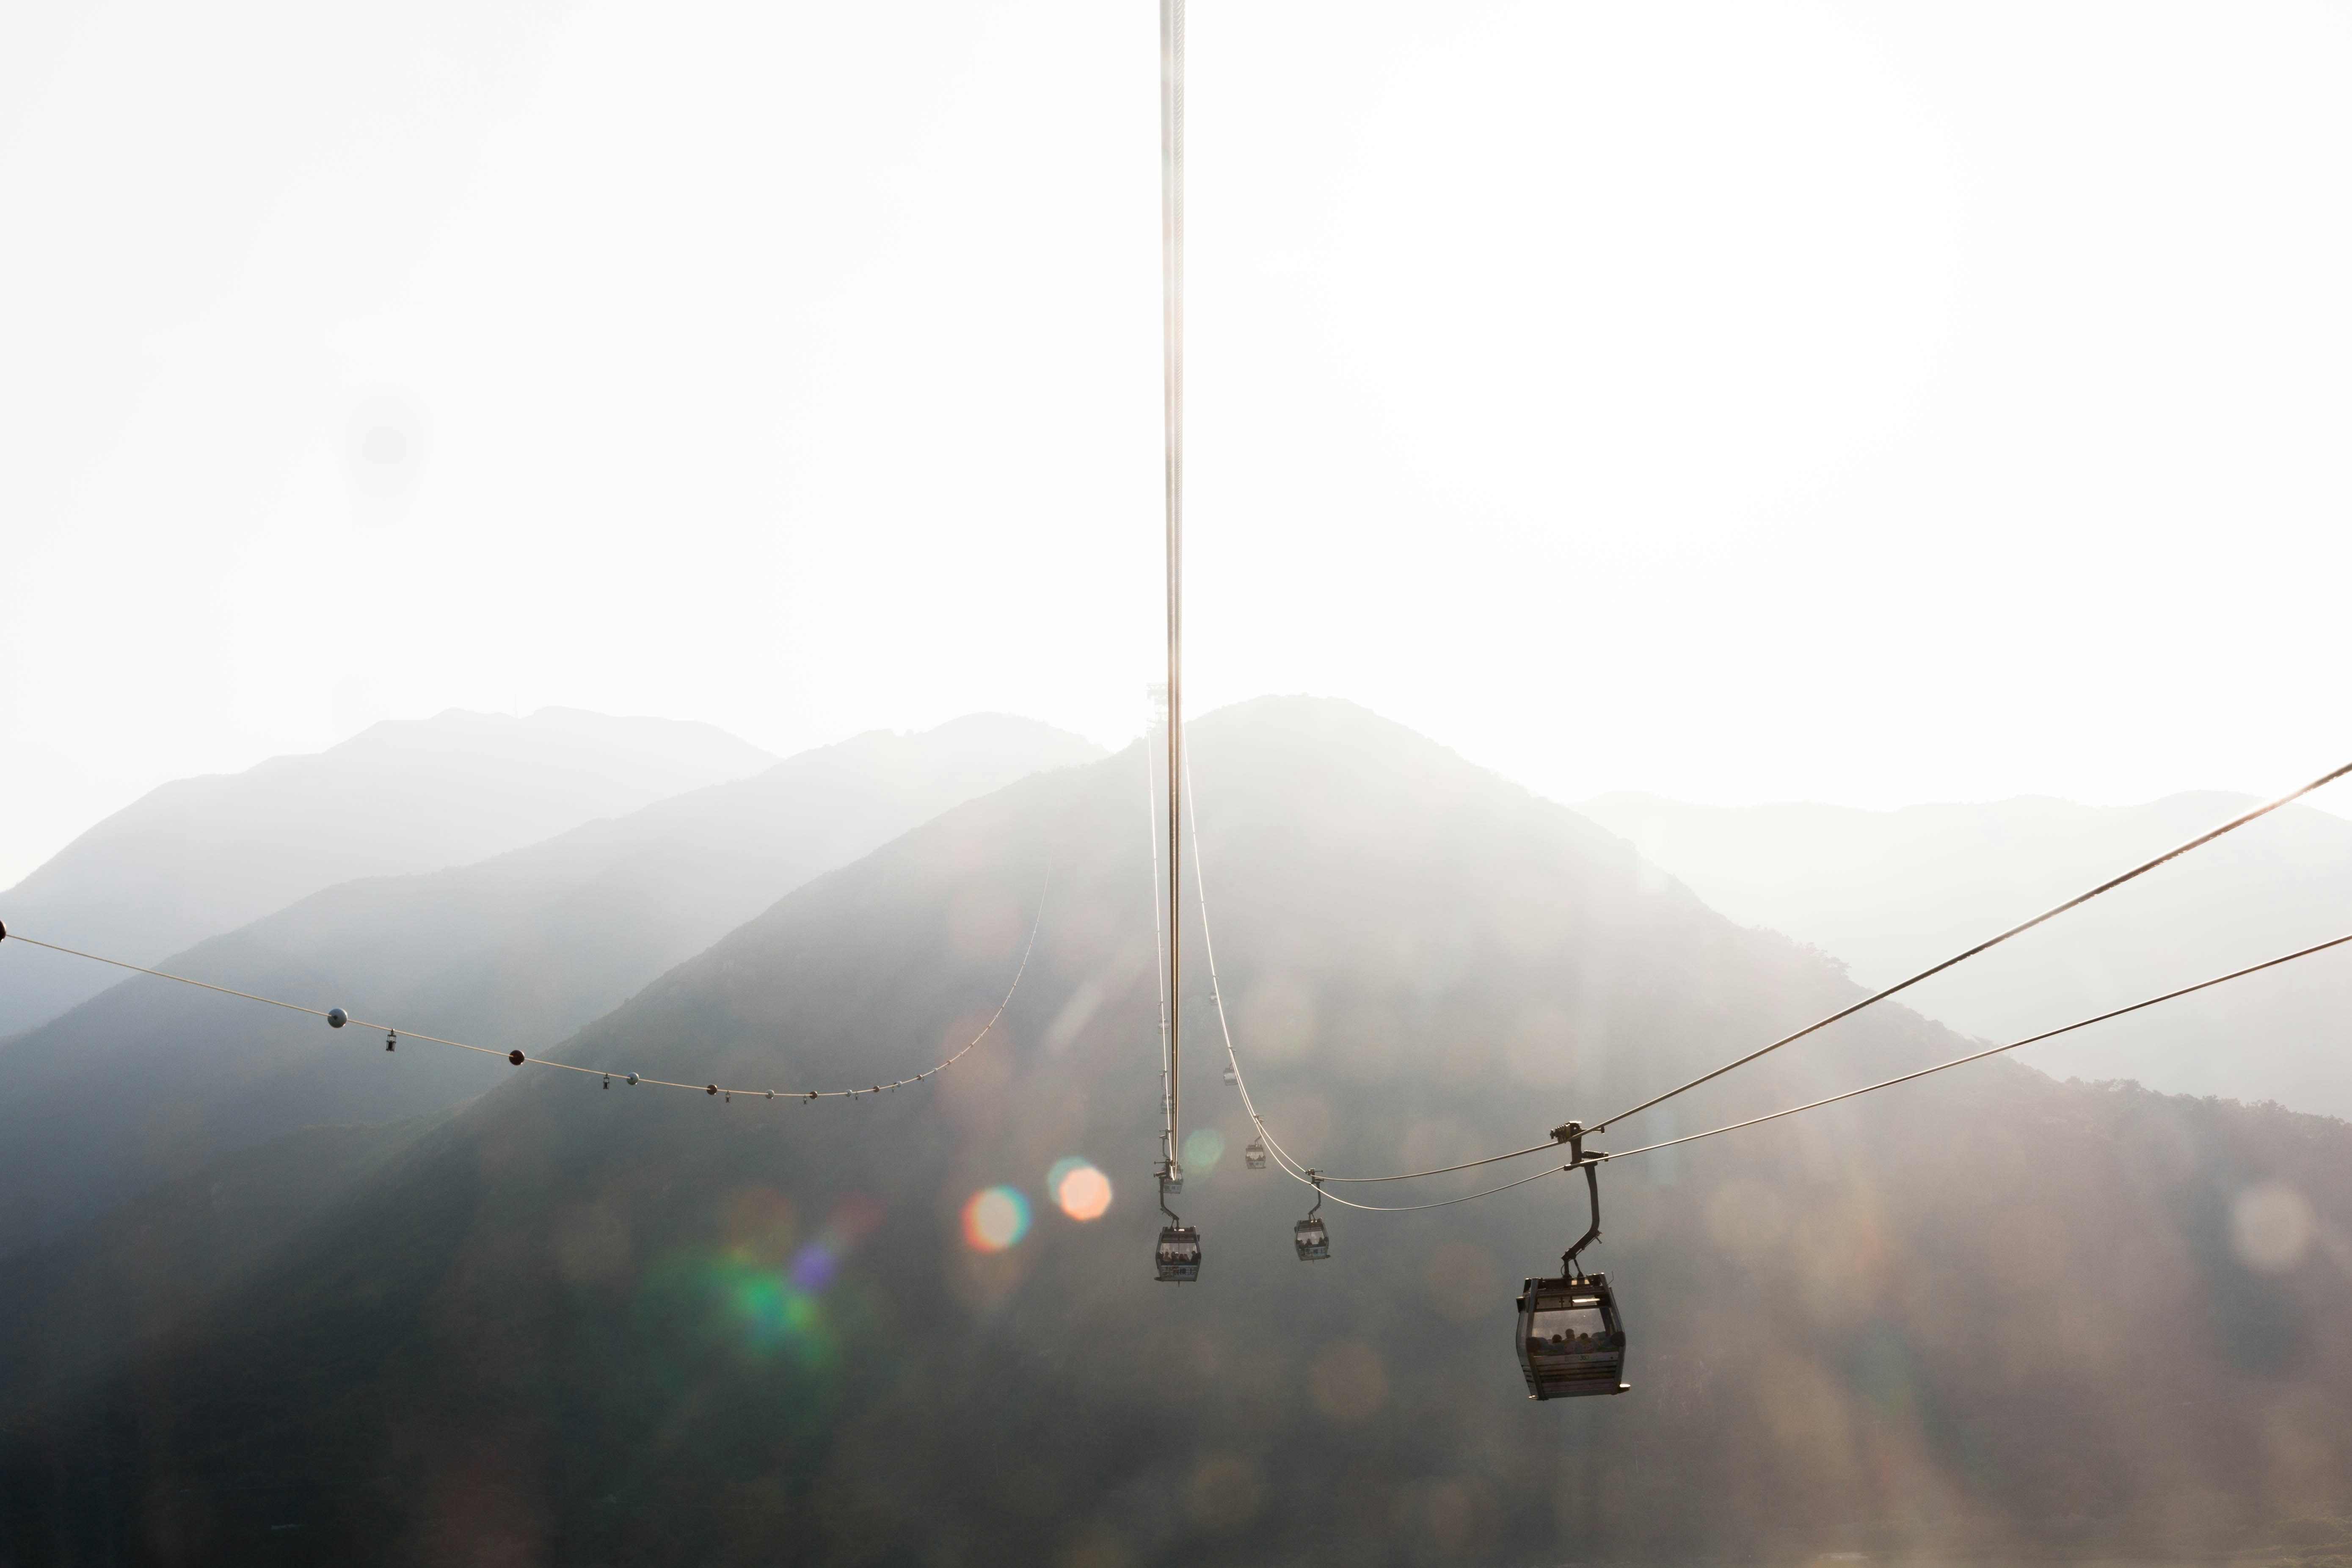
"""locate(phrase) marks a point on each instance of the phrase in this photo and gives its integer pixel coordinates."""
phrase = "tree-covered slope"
(200, 856)
(1977, 1317)
(151, 1081)
(1892, 891)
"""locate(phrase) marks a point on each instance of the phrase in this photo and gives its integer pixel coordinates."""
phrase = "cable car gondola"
(1232, 1078)
(1254, 1155)
(1571, 1342)
(1178, 1256)
(1308, 1235)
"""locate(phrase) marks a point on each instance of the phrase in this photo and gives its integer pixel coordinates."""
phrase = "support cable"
(2113, 882)
(1171, 280)
(1160, 963)
(520, 1059)
(1282, 1157)
(2078, 899)
(1299, 1172)
(1850, 1093)
(1994, 1051)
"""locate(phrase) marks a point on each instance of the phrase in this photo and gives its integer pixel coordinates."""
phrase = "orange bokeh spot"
(1083, 1193)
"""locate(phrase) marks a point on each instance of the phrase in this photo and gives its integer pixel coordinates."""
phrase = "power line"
(520, 1059)
(224, 990)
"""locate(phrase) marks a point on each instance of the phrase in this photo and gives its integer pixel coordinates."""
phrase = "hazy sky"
(1870, 402)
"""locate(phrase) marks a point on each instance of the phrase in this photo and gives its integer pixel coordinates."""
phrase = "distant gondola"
(1310, 1236)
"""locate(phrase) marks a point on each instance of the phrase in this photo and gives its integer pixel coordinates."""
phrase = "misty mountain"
(151, 1081)
(1891, 892)
(566, 1323)
(203, 856)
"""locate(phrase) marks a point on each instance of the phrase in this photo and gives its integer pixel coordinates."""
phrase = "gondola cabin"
(1178, 1256)
(1571, 1342)
(1314, 1242)
(1254, 1155)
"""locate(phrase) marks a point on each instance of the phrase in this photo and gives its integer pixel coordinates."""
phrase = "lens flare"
(1079, 1190)
(996, 1218)
(1203, 1150)
(770, 1310)
(815, 1266)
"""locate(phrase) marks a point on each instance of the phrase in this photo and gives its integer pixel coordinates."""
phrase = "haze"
(1857, 404)
(579, 581)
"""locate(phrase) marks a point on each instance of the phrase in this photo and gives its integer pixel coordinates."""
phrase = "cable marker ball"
(337, 1017)
(633, 1081)
(4, 930)
(713, 1089)
(515, 1057)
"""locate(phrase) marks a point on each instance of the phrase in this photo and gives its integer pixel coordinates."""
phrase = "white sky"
(1867, 403)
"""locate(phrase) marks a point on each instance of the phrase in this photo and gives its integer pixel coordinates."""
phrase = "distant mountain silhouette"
(203, 855)
(1983, 1317)
(152, 1081)
(1890, 892)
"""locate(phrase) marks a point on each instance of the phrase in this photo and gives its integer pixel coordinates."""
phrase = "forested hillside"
(200, 856)
(1983, 1316)
(1890, 892)
(151, 1080)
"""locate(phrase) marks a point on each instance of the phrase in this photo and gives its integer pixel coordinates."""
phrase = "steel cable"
(1171, 284)
(1159, 962)
(1283, 1157)
(1036, 923)
(1300, 1172)
(2078, 899)
(2112, 1013)
(1993, 1051)
(1847, 1012)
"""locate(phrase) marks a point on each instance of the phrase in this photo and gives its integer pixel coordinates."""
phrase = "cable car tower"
(1177, 1257)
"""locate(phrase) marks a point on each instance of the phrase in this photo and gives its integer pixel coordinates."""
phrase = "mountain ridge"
(149, 1080)
(1891, 892)
(198, 857)
(577, 1324)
